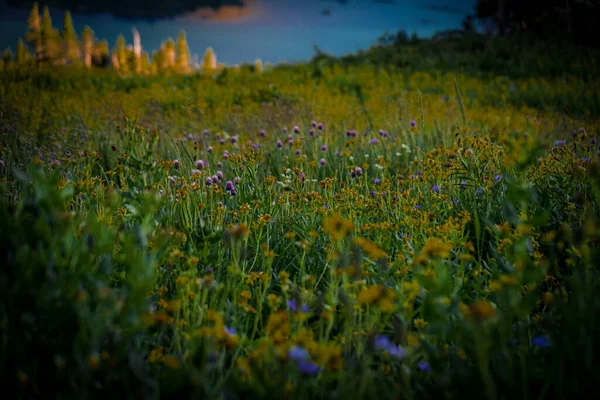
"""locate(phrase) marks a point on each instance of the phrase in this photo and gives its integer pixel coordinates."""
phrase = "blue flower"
(424, 366)
(292, 305)
(436, 188)
(497, 178)
(384, 343)
(541, 342)
(298, 353)
(308, 367)
(230, 331)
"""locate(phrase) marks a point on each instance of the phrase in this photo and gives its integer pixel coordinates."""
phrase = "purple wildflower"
(176, 164)
(262, 133)
(436, 188)
(423, 366)
(322, 162)
(374, 141)
(413, 123)
(324, 147)
(220, 175)
(320, 126)
(498, 177)
(313, 124)
(308, 367)
(230, 331)
(358, 171)
(209, 149)
(311, 132)
(292, 305)
(298, 353)
(222, 141)
(377, 181)
(296, 129)
(200, 164)
(541, 342)
(206, 132)
(559, 143)
(233, 139)
(229, 186)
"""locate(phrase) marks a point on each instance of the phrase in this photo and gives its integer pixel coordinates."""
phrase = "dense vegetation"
(419, 220)
(324, 230)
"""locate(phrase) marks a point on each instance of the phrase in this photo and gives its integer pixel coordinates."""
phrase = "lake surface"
(272, 30)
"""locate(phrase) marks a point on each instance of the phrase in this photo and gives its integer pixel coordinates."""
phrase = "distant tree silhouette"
(183, 53)
(550, 19)
(71, 49)
(146, 67)
(209, 61)
(34, 32)
(87, 45)
(137, 51)
(50, 38)
(22, 57)
(100, 57)
(169, 54)
(119, 56)
(7, 56)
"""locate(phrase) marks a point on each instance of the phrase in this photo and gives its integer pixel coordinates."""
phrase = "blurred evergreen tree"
(100, 57)
(169, 54)
(146, 67)
(50, 38)
(22, 56)
(120, 55)
(183, 53)
(34, 32)
(209, 61)
(71, 51)
(87, 45)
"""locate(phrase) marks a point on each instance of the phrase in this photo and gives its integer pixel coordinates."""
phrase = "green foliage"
(437, 235)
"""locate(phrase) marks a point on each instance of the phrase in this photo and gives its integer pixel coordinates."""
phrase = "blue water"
(272, 30)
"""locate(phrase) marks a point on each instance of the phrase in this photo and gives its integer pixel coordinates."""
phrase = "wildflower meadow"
(319, 230)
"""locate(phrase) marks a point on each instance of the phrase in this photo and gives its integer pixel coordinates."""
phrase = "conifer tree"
(87, 45)
(100, 55)
(34, 32)
(183, 53)
(22, 56)
(209, 62)
(7, 56)
(156, 62)
(137, 51)
(145, 63)
(120, 55)
(168, 54)
(71, 51)
(50, 38)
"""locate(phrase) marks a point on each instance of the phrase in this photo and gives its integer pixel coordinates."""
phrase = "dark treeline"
(562, 20)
